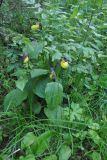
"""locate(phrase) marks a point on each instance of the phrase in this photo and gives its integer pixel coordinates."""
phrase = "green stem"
(30, 104)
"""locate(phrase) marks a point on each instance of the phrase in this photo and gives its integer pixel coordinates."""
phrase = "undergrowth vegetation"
(53, 80)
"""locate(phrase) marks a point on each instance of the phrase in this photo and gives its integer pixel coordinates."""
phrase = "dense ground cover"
(53, 80)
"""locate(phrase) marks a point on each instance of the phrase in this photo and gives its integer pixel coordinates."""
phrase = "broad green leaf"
(68, 138)
(100, 2)
(20, 84)
(3, 157)
(56, 56)
(20, 73)
(30, 85)
(33, 49)
(14, 99)
(28, 157)
(38, 72)
(39, 88)
(29, 50)
(36, 108)
(94, 136)
(28, 139)
(55, 114)
(96, 156)
(65, 152)
(81, 134)
(53, 94)
(94, 126)
(51, 157)
(76, 112)
(41, 143)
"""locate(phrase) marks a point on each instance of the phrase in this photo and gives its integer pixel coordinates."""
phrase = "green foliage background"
(63, 117)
